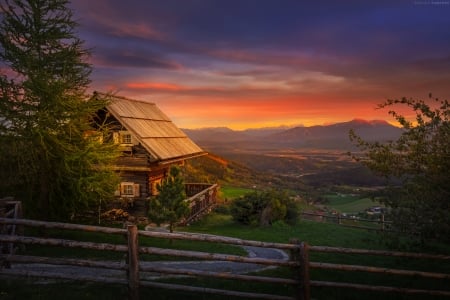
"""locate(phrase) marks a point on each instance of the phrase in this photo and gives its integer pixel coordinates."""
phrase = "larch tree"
(417, 168)
(48, 157)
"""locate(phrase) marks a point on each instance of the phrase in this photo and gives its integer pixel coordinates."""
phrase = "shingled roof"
(162, 139)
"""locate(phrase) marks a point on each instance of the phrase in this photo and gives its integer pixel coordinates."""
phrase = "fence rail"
(133, 267)
(338, 219)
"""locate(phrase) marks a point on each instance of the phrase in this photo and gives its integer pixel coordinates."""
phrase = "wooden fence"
(133, 268)
(379, 224)
(12, 209)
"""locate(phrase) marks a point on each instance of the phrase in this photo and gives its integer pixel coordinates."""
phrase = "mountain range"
(335, 136)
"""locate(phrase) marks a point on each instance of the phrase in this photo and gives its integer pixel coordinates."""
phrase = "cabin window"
(129, 189)
(125, 138)
(122, 137)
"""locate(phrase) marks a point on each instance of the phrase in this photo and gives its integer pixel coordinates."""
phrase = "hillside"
(305, 175)
(215, 169)
(302, 159)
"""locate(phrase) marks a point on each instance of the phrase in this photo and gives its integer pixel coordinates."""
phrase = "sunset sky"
(261, 63)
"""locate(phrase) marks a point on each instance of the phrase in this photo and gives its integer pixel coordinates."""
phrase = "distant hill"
(334, 136)
(300, 159)
(216, 134)
(265, 131)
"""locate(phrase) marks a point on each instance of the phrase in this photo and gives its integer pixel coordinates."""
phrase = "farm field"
(345, 203)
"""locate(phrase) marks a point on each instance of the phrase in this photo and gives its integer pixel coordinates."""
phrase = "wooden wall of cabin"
(135, 177)
(157, 174)
(155, 177)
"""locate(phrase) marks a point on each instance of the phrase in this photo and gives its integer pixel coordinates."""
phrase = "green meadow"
(349, 203)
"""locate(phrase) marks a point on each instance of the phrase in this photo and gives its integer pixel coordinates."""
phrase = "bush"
(265, 208)
(222, 209)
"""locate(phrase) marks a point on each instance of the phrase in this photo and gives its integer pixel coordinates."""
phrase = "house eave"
(182, 158)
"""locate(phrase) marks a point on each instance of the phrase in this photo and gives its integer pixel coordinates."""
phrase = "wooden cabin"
(150, 144)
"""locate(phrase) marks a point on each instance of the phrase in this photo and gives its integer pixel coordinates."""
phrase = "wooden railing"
(202, 198)
(133, 267)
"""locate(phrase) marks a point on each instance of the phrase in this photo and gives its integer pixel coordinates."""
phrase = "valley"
(265, 161)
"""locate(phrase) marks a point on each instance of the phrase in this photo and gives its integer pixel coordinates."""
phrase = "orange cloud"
(242, 112)
(156, 86)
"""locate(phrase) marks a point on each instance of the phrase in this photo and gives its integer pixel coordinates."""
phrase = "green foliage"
(265, 208)
(419, 159)
(47, 158)
(169, 205)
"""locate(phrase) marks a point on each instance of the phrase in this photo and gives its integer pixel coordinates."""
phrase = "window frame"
(129, 189)
(125, 138)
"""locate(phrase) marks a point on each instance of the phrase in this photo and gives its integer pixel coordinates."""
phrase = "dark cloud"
(262, 48)
(329, 34)
(111, 58)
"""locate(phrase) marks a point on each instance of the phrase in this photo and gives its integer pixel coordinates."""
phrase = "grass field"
(230, 192)
(345, 203)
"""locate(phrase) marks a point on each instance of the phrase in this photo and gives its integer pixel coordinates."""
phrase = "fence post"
(133, 263)
(382, 222)
(301, 255)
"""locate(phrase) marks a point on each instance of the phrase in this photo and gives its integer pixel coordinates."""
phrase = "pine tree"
(48, 159)
(169, 205)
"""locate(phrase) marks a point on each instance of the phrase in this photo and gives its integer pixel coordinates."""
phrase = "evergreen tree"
(169, 205)
(47, 157)
(420, 161)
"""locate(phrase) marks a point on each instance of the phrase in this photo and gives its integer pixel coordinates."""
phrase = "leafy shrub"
(265, 208)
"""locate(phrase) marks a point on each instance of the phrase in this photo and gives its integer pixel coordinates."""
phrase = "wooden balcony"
(202, 199)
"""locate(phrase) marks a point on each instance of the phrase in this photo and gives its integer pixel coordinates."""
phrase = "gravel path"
(213, 266)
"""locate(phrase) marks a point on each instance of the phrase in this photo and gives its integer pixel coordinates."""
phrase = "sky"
(265, 63)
